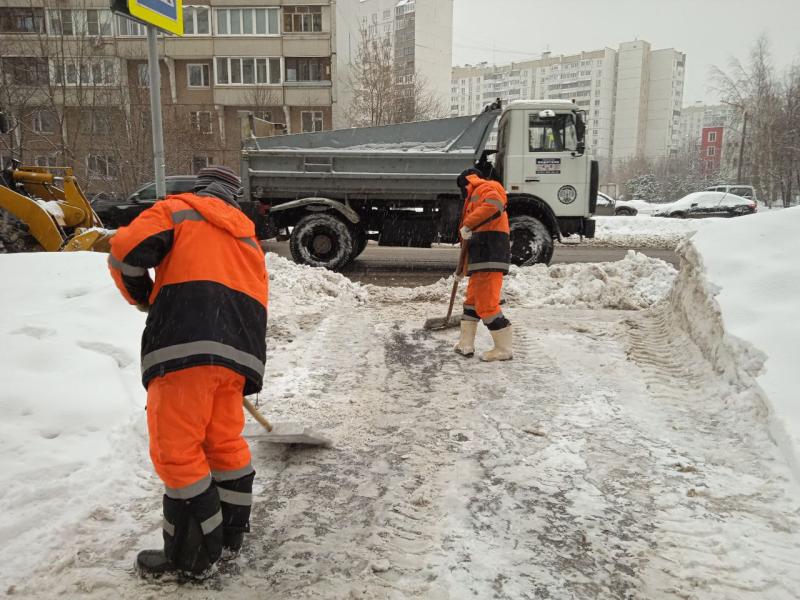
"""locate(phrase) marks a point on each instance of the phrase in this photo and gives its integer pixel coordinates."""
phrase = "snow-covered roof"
(542, 105)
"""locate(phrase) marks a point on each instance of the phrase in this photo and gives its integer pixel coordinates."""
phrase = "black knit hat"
(219, 173)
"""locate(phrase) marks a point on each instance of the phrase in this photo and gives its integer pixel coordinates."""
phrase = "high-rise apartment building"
(75, 77)
(421, 36)
(632, 95)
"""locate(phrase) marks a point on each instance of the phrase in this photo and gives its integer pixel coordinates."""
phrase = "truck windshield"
(552, 135)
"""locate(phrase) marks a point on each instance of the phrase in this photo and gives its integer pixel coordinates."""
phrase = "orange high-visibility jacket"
(485, 214)
(208, 304)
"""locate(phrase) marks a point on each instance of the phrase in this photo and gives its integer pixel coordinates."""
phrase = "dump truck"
(330, 192)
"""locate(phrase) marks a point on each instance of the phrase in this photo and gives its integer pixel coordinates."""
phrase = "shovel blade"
(285, 433)
(438, 323)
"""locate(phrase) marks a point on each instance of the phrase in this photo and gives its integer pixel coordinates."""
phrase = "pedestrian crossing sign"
(166, 15)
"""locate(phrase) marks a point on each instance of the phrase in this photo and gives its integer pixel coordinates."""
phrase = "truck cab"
(542, 161)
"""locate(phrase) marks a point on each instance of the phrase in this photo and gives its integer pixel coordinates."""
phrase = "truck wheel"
(321, 240)
(531, 242)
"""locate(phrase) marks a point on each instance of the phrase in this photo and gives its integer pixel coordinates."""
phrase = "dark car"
(116, 212)
(701, 205)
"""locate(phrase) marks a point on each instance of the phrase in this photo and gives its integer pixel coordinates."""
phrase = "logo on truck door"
(567, 194)
(548, 166)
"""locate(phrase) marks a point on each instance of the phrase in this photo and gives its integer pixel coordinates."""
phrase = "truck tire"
(531, 242)
(321, 240)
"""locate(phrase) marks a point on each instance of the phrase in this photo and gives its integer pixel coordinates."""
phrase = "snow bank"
(738, 293)
(644, 231)
(636, 282)
(72, 427)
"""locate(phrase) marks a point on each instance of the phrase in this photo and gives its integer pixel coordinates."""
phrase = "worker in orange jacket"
(484, 227)
(203, 348)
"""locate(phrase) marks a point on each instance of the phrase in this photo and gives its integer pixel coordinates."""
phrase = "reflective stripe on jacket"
(485, 214)
(208, 304)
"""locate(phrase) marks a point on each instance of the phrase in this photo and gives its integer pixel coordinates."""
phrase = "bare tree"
(772, 105)
(382, 92)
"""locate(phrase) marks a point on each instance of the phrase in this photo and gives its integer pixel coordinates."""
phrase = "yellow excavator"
(40, 210)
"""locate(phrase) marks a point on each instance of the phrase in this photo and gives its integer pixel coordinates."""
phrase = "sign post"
(166, 15)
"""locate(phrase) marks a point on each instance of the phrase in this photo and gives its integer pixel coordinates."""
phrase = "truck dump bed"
(408, 161)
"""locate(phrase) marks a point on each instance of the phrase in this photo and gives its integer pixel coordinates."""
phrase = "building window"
(311, 120)
(92, 22)
(712, 151)
(46, 160)
(100, 165)
(712, 136)
(198, 75)
(248, 71)
(308, 69)
(247, 21)
(302, 19)
(44, 121)
(196, 20)
(21, 20)
(201, 162)
(128, 28)
(25, 70)
(202, 121)
(86, 71)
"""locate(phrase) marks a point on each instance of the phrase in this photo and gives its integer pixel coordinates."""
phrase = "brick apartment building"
(75, 77)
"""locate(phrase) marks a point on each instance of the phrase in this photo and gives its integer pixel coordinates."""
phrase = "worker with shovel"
(484, 228)
(203, 348)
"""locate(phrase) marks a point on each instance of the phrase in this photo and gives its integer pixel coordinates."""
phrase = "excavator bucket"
(42, 211)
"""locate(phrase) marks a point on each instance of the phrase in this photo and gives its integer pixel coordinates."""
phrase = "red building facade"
(711, 149)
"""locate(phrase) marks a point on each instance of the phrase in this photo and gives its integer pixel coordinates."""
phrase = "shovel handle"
(257, 415)
(462, 260)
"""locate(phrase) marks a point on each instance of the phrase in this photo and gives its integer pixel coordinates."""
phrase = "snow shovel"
(280, 433)
(438, 323)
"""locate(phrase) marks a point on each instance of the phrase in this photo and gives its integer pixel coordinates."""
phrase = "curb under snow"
(695, 309)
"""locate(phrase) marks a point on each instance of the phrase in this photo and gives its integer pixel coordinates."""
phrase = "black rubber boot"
(192, 538)
(235, 499)
(153, 563)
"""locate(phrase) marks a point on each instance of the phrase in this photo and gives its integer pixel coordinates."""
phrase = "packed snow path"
(605, 461)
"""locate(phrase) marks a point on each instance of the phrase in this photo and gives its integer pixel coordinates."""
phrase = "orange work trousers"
(483, 295)
(195, 419)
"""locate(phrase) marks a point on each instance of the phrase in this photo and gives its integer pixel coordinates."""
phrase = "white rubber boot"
(466, 345)
(502, 346)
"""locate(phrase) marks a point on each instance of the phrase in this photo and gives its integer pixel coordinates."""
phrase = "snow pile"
(644, 231)
(73, 426)
(636, 282)
(300, 296)
(738, 295)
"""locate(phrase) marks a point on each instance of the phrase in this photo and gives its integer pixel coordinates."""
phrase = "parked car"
(607, 206)
(116, 212)
(745, 191)
(699, 205)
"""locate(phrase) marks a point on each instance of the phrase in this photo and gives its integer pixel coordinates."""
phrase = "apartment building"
(421, 37)
(615, 87)
(76, 76)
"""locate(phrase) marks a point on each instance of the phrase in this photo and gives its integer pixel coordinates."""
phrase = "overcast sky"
(708, 31)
